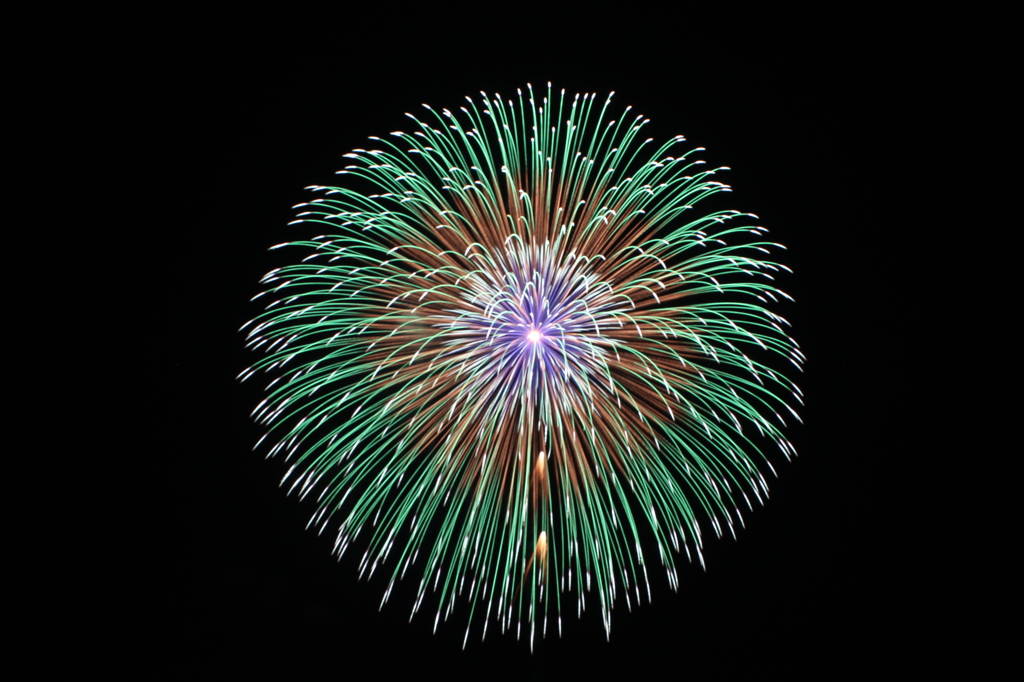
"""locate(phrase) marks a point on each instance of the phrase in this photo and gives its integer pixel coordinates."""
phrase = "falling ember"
(540, 471)
(528, 279)
(540, 552)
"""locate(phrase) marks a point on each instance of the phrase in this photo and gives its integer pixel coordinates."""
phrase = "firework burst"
(524, 357)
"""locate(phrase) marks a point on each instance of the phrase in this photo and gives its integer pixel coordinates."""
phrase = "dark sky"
(823, 122)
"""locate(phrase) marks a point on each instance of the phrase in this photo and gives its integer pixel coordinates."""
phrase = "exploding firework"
(523, 357)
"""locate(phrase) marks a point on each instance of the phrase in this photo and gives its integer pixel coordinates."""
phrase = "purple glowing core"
(536, 319)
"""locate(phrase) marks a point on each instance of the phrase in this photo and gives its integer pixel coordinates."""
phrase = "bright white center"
(533, 336)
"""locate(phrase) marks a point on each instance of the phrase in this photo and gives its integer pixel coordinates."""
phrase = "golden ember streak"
(539, 482)
(540, 552)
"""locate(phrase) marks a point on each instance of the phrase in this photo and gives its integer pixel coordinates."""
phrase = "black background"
(833, 126)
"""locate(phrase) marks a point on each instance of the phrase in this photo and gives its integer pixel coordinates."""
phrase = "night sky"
(224, 121)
